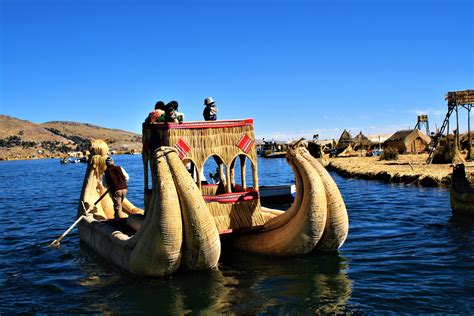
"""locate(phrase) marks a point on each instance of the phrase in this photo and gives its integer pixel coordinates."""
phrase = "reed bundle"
(242, 214)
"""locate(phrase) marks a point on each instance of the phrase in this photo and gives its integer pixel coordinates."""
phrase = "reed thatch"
(298, 234)
(460, 97)
(408, 141)
(345, 139)
(242, 214)
(218, 139)
(201, 247)
(337, 222)
(361, 142)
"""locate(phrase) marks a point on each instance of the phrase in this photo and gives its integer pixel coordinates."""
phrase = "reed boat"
(461, 191)
(184, 217)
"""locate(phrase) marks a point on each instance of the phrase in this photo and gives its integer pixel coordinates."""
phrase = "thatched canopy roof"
(460, 97)
(362, 140)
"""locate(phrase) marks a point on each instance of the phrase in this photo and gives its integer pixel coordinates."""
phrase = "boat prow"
(461, 192)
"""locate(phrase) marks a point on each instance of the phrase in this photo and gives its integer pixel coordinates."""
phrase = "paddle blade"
(54, 244)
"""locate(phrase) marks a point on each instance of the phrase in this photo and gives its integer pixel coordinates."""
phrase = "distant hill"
(20, 139)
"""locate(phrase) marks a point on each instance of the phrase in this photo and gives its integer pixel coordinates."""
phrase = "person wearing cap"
(116, 178)
(210, 111)
(178, 115)
(171, 113)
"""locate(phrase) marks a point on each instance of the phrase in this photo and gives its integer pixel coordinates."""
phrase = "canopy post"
(242, 171)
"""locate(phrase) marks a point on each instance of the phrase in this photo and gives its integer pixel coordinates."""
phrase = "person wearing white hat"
(210, 111)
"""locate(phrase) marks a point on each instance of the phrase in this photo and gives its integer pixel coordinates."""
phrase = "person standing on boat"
(116, 178)
(158, 114)
(210, 111)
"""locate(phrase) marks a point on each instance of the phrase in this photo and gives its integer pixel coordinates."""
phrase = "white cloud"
(429, 111)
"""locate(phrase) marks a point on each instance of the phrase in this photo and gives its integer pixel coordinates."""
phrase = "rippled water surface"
(404, 254)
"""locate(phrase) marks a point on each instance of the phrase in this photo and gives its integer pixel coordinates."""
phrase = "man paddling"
(116, 178)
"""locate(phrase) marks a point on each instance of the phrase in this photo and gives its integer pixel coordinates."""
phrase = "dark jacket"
(207, 114)
(115, 178)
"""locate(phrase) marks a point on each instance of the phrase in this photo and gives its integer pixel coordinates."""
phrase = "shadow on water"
(312, 283)
(242, 284)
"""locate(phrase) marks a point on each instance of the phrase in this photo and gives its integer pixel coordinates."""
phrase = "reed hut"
(361, 142)
(345, 140)
(411, 141)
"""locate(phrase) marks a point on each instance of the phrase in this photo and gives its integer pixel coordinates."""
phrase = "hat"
(109, 161)
(173, 105)
(208, 101)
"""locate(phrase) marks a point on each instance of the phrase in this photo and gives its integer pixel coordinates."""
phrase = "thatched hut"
(345, 140)
(411, 141)
(361, 142)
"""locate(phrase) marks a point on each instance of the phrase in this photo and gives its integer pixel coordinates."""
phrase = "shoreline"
(408, 169)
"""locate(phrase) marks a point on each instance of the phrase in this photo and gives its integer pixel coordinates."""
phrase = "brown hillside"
(27, 131)
(117, 139)
(20, 139)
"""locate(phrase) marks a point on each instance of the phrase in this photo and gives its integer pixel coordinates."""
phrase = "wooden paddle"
(56, 242)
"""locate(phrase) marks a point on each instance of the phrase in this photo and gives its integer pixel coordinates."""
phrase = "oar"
(56, 242)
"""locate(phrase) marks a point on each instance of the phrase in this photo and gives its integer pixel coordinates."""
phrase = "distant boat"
(461, 192)
(277, 193)
(276, 154)
(69, 160)
(273, 149)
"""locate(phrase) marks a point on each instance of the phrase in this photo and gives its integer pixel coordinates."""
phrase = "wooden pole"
(457, 129)
(232, 172)
(254, 175)
(469, 131)
(242, 171)
(56, 242)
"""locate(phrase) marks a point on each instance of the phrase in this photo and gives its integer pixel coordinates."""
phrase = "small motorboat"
(277, 194)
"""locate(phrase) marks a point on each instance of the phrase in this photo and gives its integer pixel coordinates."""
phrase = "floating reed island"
(185, 216)
(408, 169)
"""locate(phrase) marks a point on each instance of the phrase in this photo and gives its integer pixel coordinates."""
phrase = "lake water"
(404, 254)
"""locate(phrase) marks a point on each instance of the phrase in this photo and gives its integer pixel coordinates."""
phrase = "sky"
(298, 68)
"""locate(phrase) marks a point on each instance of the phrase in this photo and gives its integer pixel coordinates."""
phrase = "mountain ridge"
(23, 139)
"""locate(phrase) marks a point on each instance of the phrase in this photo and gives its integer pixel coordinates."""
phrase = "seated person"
(158, 114)
(171, 113)
(179, 115)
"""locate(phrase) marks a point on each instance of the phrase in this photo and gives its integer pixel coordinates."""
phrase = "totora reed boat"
(461, 192)
(184, 216)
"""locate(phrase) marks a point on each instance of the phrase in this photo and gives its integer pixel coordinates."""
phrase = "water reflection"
(313, 283)
(242, 284)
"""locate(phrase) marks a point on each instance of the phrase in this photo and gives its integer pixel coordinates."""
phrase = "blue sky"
(297, 67)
